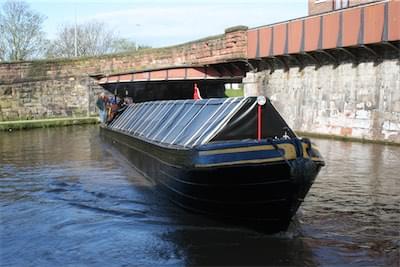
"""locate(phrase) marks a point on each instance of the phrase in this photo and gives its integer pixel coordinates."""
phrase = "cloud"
(166, 23)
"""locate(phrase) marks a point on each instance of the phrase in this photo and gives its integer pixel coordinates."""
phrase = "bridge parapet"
(362, 26)
(230, 46)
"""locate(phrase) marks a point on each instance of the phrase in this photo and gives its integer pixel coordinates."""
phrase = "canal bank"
(346, 138)
(60, 122)
(45, 123)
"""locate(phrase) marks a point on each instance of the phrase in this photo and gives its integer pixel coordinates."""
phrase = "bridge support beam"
(389, 44)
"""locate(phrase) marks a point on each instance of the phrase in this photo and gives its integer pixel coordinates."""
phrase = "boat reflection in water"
(230, 158)
(234, 247)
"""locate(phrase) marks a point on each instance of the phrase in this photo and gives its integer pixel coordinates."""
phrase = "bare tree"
(2, 43)
(123, 45)
(21, 35)
(93, 38)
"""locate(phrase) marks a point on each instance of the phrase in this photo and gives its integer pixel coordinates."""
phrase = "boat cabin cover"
(189, 123)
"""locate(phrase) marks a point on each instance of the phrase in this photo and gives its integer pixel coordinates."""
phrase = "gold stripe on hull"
(289, 154)
(290, 151)
(250, 161)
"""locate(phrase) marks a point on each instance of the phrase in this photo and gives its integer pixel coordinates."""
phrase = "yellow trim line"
(289, 154)
(250, 161)
(240, 162)
(289, 149)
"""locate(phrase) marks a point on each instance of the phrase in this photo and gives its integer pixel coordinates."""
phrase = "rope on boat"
(280, 153)
(302, 170)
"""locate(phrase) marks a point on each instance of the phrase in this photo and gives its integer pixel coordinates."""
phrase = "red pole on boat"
(261, 101)
(259, 123)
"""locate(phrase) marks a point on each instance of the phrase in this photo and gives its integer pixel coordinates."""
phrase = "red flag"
(196, 93)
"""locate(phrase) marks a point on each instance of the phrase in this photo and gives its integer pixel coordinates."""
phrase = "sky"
(162, 23)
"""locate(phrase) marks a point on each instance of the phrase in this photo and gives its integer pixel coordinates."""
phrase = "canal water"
(67, 198)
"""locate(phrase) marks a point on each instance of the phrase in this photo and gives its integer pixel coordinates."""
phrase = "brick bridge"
(355, 34)
(335, 73)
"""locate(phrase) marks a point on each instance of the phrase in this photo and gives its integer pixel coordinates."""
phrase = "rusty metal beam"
(239, 68)
(346, 51)
(396, 48)
(370, 50)
(326, 53)
(301, 63)
(270, 65)
(217, 69)
(314, 59)
(283, 62)
(298, 61)
(250, 65)
(258, 64)
(228, 69)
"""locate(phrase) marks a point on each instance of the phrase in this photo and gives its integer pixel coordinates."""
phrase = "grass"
(45, 123)
(234, 92)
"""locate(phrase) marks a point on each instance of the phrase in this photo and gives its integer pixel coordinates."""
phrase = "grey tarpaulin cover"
(194, 122)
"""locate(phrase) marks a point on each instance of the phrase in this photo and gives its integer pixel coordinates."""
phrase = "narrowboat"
(233, 159)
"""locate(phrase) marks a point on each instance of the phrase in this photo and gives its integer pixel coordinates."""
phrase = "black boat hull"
(264, 196)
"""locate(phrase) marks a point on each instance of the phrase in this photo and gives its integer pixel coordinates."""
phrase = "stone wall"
(62, 88)
(352, 100)
(64, 97)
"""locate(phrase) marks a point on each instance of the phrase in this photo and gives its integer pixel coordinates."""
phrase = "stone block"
(346, 131)
(396, 106)
(5, 104)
